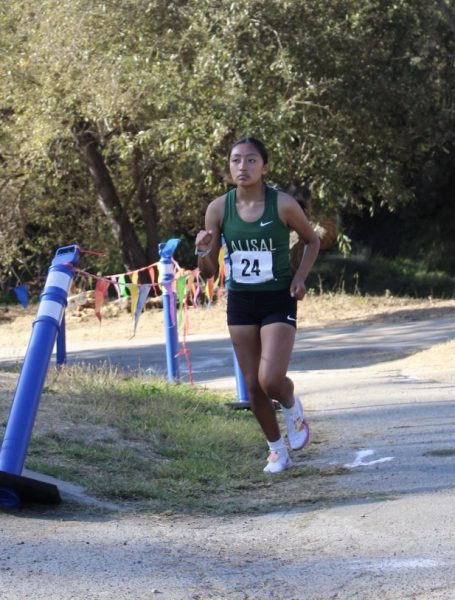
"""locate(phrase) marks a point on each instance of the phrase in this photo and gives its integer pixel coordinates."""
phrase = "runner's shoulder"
(286, 199)
(215, 209)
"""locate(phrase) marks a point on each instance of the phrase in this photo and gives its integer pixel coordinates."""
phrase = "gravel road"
(385, 531)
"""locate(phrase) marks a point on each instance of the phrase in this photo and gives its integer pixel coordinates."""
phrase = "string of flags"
(188, 285)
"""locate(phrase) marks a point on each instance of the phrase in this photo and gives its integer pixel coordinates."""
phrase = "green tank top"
(258, 251)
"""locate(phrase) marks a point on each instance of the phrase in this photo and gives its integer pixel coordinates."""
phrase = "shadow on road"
(409, 314)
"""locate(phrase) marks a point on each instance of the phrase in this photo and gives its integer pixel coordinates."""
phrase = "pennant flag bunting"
(198, 289)
(101, 288)
(185, 284)
(134, 293)
(123, 287)
(191, 287)
(113, 278)
(181, 297)
(144, 291)
(21, 292)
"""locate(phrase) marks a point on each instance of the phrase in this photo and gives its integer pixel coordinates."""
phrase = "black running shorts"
(261, 308)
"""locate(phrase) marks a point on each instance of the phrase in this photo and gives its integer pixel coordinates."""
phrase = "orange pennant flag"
(101, 288)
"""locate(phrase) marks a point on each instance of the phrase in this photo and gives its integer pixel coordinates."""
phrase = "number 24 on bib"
(252, 267)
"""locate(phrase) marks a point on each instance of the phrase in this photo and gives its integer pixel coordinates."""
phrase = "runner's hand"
(203, 240)
(298, 288)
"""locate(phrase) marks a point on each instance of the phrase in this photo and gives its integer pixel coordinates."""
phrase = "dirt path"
(345, 546)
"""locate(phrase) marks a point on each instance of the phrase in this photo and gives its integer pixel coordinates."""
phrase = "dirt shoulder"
(116, 324)
(346, 545)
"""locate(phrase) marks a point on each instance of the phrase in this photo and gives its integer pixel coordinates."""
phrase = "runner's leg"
(277, 342)
(246, 340)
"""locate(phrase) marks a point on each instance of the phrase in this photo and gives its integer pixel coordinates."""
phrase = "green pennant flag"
(181, 291)
(122, 286)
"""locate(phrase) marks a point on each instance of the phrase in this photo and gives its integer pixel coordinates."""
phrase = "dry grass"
(314, 310)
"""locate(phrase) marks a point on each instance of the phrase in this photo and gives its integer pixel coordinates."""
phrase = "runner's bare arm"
(208, 240)
(292, 215)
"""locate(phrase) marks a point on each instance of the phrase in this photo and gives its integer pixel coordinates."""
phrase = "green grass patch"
(153, 445)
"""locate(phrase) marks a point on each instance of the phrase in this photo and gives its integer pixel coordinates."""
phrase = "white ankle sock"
(276, 446)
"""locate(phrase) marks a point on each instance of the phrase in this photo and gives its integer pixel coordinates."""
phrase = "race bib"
(252, 267)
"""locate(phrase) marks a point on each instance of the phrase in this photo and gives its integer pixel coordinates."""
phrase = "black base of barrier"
(239, 405)
(246, 405)
(16, 490)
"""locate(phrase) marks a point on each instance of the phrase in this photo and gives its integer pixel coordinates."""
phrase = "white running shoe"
(278, 461)
(298, 430)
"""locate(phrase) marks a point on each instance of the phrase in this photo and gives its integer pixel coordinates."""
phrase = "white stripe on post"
(49, 308)
(59, 279)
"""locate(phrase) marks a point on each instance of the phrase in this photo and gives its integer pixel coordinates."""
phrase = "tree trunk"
(133, 254)
(144, 188)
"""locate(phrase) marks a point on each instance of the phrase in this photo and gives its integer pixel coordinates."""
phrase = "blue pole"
(166, 250)
(34, 369)
(240, 385)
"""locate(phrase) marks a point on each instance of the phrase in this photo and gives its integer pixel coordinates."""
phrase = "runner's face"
(246, 165)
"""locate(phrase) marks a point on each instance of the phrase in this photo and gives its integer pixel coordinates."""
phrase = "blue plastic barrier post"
(166, 250)
(14, 487)
(240, 384)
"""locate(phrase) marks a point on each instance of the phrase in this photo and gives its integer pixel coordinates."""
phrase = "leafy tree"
(117, 116)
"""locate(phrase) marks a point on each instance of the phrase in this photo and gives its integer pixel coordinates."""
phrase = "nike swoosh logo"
(289, 318)
(264, 224)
